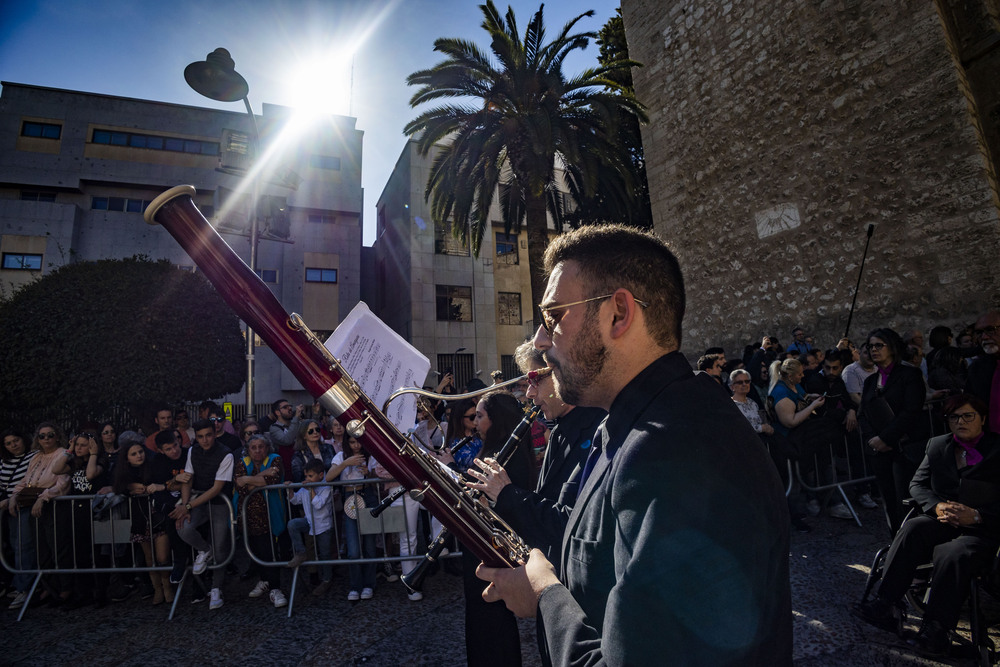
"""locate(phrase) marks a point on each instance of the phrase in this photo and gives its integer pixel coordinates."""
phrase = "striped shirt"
(12, 471)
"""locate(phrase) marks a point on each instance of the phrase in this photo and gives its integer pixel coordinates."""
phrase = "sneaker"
(812, 507)
(367, 593)
(216, 600)
(881, 614)
(18, 601)
(390, 574)
(415, 596)
(866, 501)
(932, 640)
(201, 562)
(840, 511)
(177, 573)
(353, 596)
(198, 595)
(321, 589)
(278, 599)
(297, 560)
(261, 588)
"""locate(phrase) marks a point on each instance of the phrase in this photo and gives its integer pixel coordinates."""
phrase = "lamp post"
(216, 78)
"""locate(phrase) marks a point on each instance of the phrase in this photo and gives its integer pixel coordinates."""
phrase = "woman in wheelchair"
(958, 528)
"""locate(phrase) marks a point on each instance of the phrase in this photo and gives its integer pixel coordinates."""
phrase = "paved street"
(828, 571)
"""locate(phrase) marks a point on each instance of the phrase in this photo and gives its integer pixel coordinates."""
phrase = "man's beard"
(587, 358)
(991, 348)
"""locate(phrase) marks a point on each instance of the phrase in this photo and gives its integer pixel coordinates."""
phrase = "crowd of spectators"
(838, 410)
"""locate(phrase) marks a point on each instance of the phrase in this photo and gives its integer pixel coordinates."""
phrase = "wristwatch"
(187, 506)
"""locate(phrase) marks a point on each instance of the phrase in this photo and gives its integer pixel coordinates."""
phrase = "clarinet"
(323, 376)
(414, 580)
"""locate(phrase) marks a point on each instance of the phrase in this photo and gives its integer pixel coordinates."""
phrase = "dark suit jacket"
(539, 517)
(904, 392)
(938, 480)
(677, 549)
(980, 380)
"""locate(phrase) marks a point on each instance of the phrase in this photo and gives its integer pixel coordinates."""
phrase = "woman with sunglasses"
(958, 489)
(894, 429)
(108, 434)
(309, 445)
(461, 427)
(34, 497)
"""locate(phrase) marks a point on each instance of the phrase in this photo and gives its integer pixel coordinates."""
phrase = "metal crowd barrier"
(114, 532)
(834, 471)
(393, 520)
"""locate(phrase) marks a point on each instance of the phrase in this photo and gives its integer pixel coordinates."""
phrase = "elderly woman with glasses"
(894, 429)
(958, 489)
(34, 496)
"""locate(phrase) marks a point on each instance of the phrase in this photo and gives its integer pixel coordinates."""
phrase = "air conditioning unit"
(235, 150)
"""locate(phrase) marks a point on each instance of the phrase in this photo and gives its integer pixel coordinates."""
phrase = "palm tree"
(516, 119)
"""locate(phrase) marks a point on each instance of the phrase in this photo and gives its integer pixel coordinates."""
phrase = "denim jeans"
(218, 515)
(22, 538)
(360, 576)
(297, 530)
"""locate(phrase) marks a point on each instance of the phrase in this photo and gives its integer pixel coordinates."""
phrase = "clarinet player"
(676, 551)
(540, 517)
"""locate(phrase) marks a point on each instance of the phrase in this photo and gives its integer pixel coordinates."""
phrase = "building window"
(508, 367)
(120, 204)
(324, 162)
(270, 275)
(156, 143)
(509, 308)
(41, 130)
(506, 244)
(27, 195)
(322, 217)
(446, 244)
(321, 275)
(22, 261)
(454, 303)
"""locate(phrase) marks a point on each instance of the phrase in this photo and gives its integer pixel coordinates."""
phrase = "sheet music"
(380, 361)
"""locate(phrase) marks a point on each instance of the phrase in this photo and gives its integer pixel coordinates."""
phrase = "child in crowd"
(318, 522)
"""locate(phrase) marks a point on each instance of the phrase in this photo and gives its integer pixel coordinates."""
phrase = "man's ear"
(623, 315)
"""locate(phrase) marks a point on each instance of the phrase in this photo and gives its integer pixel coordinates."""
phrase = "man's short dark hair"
(161, 407)
(165, 437)
(277, 404)
(615, 256)
(315, 465)
(707, 361)
(202, 424)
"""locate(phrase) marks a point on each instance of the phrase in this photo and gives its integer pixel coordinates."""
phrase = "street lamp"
(216, 78)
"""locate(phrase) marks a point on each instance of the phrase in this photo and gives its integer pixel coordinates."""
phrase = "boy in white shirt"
(318, 522)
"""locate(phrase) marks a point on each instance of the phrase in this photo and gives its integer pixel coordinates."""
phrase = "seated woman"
(958, 489)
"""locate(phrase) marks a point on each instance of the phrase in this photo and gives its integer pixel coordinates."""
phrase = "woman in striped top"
(15, 458)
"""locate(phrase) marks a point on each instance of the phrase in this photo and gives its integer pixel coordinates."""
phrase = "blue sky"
(139, 48)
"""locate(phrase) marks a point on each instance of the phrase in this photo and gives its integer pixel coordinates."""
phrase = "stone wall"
(779, 130)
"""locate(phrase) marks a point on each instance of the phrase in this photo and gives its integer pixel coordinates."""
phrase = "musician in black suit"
(958, 489)
(893, 425)
(677, 548)
(539, 517)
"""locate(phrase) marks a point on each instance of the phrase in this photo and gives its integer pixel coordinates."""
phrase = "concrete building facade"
(780, 130)
(435, 294)
(77, 170)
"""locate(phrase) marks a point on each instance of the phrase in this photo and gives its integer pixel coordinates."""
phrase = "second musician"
(491, 634)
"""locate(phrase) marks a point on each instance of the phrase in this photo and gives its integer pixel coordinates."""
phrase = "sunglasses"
(47, 436)
(107, 432)
(735, 382)
(247, 434)
(87, 435)
(469, 417)
(312, 430)
(216, 419)
(549, 322)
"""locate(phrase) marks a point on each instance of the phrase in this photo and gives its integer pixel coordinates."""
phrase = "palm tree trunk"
(538, 240)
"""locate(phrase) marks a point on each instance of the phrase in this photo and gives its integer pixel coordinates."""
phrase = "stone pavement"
(828, 569)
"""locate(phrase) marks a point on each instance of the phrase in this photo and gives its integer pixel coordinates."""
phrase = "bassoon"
(478, 527)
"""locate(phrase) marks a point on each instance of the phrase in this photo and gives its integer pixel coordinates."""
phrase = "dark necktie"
(596, 448)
